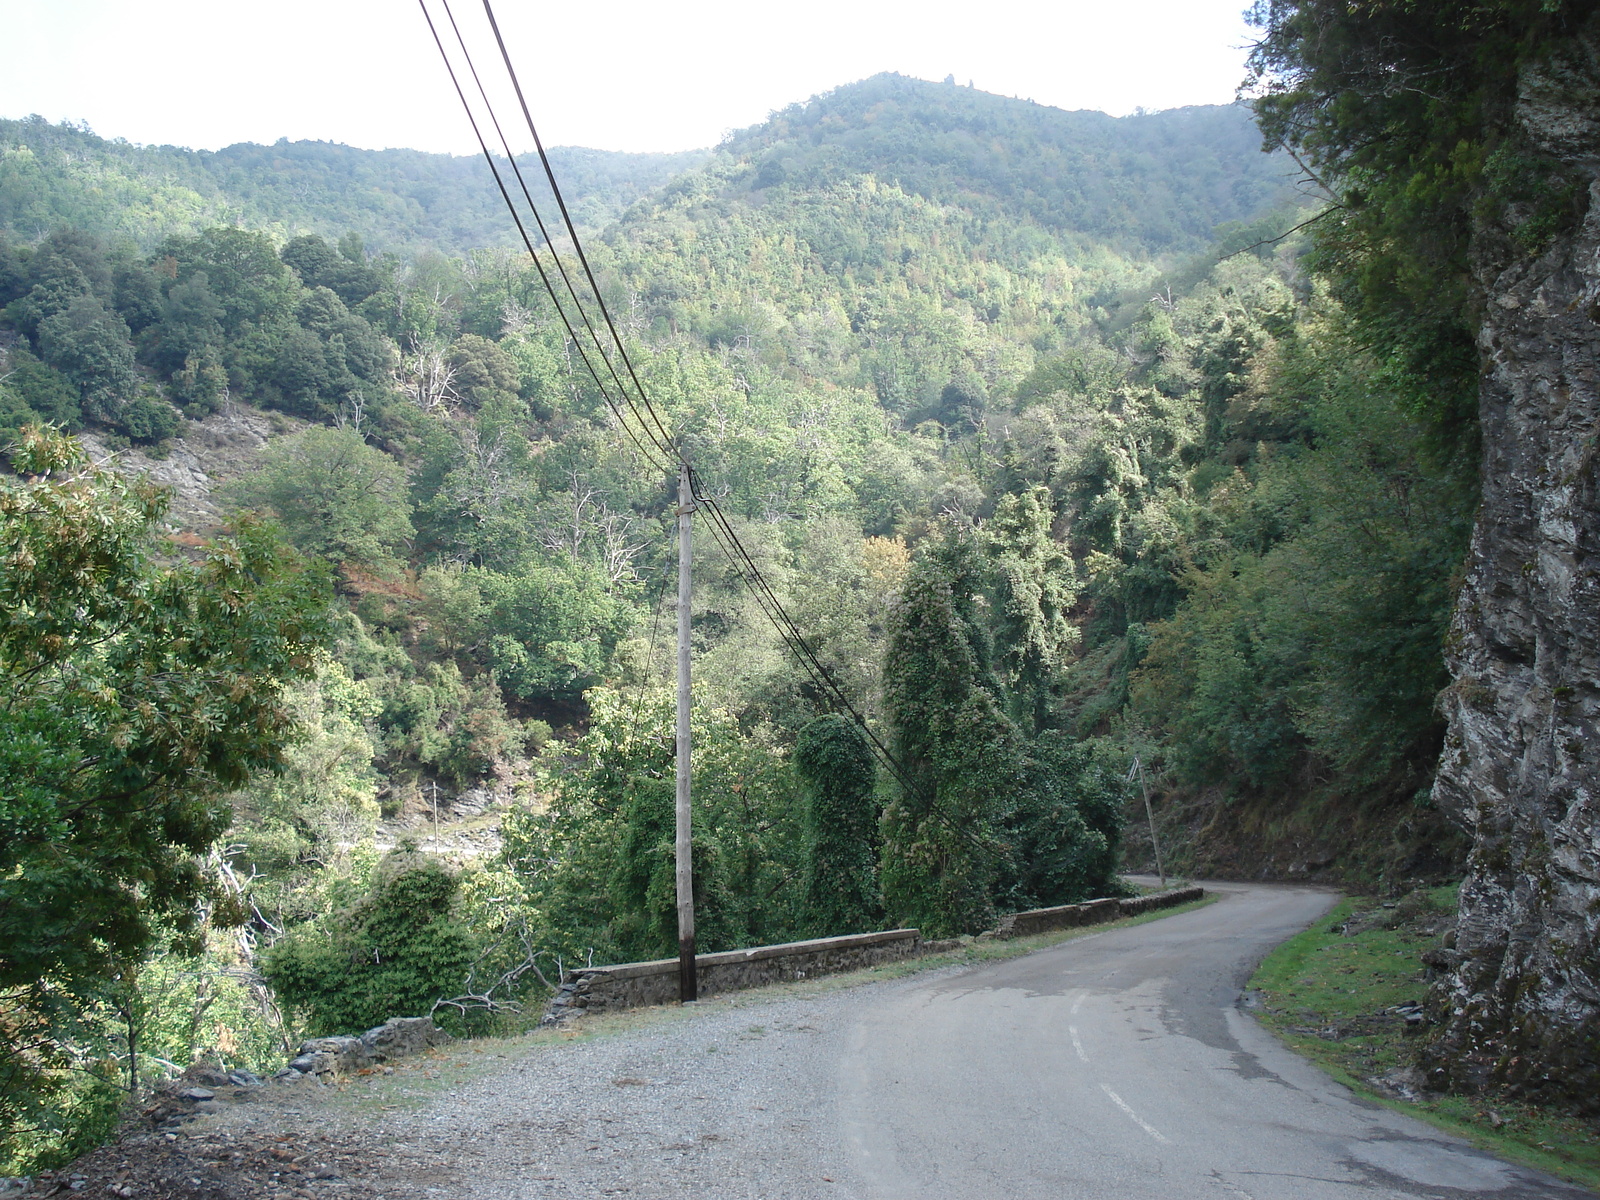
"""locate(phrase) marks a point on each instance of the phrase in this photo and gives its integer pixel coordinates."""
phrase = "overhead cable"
(561, 267)
(527, 241)
(653, 430)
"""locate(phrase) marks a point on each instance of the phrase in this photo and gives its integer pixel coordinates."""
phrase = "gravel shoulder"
(656, 1102)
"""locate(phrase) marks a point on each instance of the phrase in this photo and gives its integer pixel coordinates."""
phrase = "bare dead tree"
(352, 411)
(426, 375)
(495, 997)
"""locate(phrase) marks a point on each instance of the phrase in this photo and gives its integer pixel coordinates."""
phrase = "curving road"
(1114, 1067)
(1121, 1066)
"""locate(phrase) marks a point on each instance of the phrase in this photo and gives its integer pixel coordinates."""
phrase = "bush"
(394, 954)
(147, 419)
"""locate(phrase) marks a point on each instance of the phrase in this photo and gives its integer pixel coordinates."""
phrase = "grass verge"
(1338, 994)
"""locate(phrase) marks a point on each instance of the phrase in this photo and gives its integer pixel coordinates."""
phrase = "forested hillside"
(1048, 440)
(400, 201)
(1153, 182)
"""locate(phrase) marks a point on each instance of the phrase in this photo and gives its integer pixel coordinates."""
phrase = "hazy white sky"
(620, 75)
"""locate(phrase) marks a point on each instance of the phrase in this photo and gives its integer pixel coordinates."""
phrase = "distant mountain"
(1150, 182)
(400, 200)
(1143, 185)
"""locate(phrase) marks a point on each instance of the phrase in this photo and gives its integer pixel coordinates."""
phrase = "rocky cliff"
(1519, 994)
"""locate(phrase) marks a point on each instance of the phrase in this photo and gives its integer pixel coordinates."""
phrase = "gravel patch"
(733, 1097)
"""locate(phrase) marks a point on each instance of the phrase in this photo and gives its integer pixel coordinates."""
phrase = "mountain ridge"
(993, 155)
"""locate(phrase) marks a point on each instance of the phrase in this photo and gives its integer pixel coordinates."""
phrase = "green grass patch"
(1332, 993)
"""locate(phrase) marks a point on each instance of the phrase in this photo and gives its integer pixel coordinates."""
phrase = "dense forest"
(400, 201)
(1054, 439)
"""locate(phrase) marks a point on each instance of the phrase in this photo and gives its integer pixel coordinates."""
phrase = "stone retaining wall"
(398, 1037)
(634, 985)
(1091, 912)
(1170, 898)
(631, 985)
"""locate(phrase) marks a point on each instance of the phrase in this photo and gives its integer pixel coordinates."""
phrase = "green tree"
(395, 954)
(483, 371)
(41, 391)
(547, 631)
(54, 281)
(344, 272)
(139, 696)
(89, 344)
(942, 855)
(336, 496)
(834, 759)
(597, 864)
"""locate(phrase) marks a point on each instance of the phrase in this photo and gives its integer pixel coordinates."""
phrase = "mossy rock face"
(1520, 1004)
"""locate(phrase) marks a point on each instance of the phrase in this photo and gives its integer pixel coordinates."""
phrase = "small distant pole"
(688, 984)
(436, 816)
(1155, 842)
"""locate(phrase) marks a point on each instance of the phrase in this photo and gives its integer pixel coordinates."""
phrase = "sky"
(623, 75)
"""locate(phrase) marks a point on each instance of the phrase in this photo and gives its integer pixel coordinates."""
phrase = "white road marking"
(1231, 1186)
(1137, 1120)
(1076, 1044)
(1078, 1003)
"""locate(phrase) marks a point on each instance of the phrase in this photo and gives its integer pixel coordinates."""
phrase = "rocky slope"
(1519, 995)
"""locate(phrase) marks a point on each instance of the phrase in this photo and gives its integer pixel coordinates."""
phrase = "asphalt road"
(1118, 1066)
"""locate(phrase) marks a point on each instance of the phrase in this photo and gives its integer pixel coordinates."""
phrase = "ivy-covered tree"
(1035, 587)
(942, 852)
(834, 759)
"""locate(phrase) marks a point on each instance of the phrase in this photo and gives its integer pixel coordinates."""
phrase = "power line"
(722, 529)
(528, 241)
(545, 233)
(566, 217)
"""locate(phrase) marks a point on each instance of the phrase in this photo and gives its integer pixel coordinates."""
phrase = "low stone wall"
(635, 985)
(1091, 912)
(632, 985)
(398, 1037)
(1170, 898)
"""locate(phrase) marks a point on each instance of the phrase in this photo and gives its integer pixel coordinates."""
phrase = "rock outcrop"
(1518, 996)
(220, 448)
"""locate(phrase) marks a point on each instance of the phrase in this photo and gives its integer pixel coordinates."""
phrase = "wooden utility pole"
(1150, 815)
(688, 985)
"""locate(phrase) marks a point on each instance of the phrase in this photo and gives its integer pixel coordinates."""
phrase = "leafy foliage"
(598, 865)
(841, 815)
(1405, 112)
(395, 954)
(335, 496)
(138, 697)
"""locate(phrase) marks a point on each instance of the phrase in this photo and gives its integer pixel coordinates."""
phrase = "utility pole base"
(688, 974)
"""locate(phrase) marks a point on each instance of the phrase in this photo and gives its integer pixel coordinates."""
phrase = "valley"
(1041, 458)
